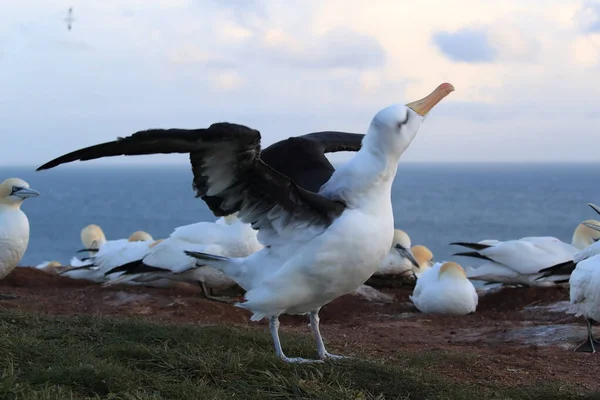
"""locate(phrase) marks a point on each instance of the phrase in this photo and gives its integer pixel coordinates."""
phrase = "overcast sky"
(526, 72)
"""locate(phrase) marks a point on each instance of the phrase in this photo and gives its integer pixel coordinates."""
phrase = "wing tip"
(471, 245)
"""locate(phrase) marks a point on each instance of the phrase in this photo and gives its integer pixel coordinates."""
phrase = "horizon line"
(174, 164)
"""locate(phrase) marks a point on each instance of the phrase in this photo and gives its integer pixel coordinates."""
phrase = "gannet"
(585, 298)
(111, 254)
(51, 267)
(318, 246)
(424, 258)
(445, 289)
(520, 261)
(92, 237)
(166, 260)
(406, 272)
(14, 225)
(399, 259)
(563, 269)
(140, 236)
(584, 285)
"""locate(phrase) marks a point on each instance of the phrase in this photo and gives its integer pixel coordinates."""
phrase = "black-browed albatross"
(318, 246)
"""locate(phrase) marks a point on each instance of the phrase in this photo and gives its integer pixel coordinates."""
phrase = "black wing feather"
(156, 141)
(135, 267)
(473, 254)
(229, 174)
(564, 268)
(474, 246)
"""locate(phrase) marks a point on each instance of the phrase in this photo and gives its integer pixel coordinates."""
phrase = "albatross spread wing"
(229, 175)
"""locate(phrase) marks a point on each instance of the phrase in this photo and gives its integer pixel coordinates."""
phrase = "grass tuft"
(58, 358)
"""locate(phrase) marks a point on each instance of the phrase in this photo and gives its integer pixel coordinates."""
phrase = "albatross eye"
(400, 123)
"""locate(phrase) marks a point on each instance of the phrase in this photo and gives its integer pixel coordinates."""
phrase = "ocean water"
(434, 203)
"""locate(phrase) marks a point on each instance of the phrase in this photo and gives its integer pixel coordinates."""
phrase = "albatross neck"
(365, 179)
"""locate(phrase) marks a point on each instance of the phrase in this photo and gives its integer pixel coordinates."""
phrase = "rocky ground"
(518, 335)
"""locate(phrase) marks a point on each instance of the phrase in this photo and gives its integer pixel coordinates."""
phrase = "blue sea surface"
(434, 203)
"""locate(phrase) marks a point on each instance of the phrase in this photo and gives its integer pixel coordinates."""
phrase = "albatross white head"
(14, 191)
(393, 128)
(373, 168)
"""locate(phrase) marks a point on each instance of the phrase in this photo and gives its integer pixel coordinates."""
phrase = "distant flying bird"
(70, 18)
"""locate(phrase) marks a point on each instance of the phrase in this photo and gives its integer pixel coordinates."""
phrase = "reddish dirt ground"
(517, 336)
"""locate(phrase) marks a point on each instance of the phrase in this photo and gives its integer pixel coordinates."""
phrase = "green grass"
(44, 357)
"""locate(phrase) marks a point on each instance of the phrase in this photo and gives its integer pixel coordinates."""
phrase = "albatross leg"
(209, 295)
(590, 344)
(314, 324)
(274, 326)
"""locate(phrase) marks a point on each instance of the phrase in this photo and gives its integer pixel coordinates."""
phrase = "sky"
(526, 73)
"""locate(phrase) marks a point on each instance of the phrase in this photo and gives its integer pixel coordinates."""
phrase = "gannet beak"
(594, 207)
(424, 105)
(408, 254)
(25, 193)
(595, 227)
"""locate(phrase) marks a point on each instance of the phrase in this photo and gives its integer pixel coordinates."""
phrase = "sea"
(436, 204)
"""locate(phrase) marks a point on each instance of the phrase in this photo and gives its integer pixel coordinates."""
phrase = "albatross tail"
(229, 266)
(232, 267)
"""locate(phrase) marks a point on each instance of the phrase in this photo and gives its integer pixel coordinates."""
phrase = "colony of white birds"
(294, 248)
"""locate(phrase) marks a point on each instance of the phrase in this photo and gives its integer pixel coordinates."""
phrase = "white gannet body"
(520, 261)
(51, 267)
(227, 236)
(585, 298)
(445, 289)
(14, 225)
(109, 255)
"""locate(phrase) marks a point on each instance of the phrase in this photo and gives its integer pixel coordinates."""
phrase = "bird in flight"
(69, 19)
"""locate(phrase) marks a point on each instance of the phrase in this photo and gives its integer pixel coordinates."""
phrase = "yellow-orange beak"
(424, 105)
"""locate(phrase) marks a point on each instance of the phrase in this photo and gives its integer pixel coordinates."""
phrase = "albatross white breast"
(14, 225)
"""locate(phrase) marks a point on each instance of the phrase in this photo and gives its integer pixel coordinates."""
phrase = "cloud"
(338, 48)
(466, 44)
(589, 17)
(586, 52)
(292, 67)
(227, 80)
(73, 45)
(250, 14)
(512, 43)
(193, 54)
(500, 41)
